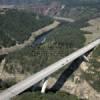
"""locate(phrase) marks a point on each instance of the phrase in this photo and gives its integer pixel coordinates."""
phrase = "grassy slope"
(48, 96)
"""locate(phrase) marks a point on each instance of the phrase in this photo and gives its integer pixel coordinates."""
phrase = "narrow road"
(30, 40)
(64, 19)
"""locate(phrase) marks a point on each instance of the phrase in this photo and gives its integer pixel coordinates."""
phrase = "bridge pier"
(44, 86)
(85, 58)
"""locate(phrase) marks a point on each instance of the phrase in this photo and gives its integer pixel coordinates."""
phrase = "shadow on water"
(40, 39)
(66, 74)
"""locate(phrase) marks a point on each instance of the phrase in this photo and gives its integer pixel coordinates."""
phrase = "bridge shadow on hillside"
(2, 57)
(66, 74)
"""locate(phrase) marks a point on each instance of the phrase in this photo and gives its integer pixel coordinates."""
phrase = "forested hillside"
(49, 96)
(16, 26)
(59, 43)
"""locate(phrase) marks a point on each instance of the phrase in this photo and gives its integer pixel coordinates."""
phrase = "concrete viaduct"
(46, 72)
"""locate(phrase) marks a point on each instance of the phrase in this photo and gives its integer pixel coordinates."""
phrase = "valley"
(19, 29)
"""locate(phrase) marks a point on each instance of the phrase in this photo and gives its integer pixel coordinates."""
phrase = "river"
(40, 39)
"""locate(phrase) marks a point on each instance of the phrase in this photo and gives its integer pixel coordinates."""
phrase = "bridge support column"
(44, 86)
(85, 58)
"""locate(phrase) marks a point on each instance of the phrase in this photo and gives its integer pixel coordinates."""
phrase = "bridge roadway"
(64, 19)
(32, 80)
